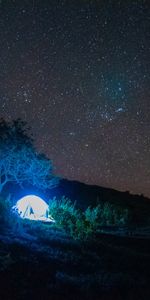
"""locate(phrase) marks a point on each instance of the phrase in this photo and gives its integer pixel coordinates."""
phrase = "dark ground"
(37, 265)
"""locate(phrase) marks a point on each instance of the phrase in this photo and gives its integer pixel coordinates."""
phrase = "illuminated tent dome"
(33, 208)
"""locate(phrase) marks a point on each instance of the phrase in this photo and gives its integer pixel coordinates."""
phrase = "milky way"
(78, 73)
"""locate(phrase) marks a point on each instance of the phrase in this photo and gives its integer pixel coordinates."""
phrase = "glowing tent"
(33, 208)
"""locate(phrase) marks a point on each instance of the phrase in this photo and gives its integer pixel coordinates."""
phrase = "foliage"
(106, 214)
(15, 132)
(2, 209)
(19, 161)
(64, 212)
(83, 225)
(67, 216)
(5, 208)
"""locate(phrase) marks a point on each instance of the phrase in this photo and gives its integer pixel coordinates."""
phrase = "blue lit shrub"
(84, 224)
(64, 212)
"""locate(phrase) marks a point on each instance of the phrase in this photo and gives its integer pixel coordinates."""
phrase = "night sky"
(78, 72)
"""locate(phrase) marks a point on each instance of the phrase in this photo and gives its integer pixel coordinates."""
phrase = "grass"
(60, 268)
(67, 260)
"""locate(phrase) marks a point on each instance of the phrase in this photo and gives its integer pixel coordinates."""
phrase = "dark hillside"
(58, 268)
(90, 195)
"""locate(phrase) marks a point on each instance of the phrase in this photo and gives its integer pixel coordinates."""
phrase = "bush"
(71, 219)
(106, 214)
(83, 225)
(5, 207)
(7, 217)
(64, 213)
(68, 217)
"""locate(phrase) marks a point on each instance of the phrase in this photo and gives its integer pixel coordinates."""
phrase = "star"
(78, 74)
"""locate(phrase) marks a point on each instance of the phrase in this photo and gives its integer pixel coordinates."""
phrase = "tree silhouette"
(19, 161)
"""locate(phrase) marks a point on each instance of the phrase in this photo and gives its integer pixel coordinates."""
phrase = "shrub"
(67, 216)
(106, 214)
(83, 225)
(64, 213)
(5, 207)
(93, 215)
(7, 217)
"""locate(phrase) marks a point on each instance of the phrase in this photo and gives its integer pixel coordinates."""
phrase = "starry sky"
(78, 72)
